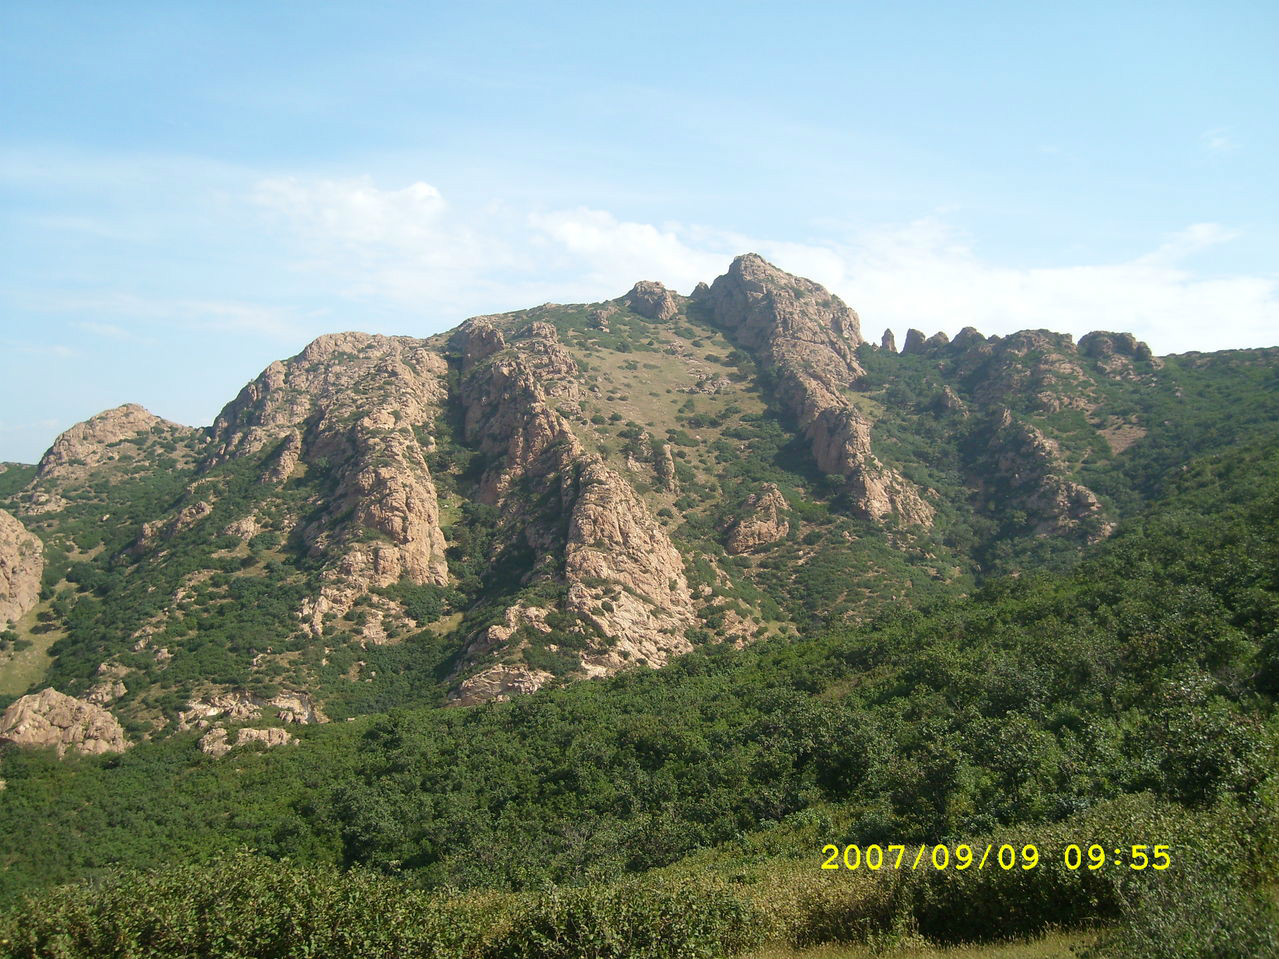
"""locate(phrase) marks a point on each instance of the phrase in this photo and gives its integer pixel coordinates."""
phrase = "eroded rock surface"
(50, 719)
(21, 566)
(764, 521)
(808, 338)
(238, 706)
(102, 439)
(216, 742)
(362, 407)
(653, 300)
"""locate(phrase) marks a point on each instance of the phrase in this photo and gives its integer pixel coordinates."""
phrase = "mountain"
(368, 667)
(567, 492)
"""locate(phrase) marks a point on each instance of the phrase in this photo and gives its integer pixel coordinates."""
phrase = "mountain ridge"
(569, 491)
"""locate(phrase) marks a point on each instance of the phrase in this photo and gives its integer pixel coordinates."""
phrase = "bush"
(247, 905)
(688, 920)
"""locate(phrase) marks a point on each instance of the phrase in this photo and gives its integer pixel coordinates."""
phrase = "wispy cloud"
(1218, 140)
(406, 247)
(132, 309)
(108, 330)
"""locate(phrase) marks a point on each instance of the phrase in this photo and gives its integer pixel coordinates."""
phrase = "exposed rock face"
(937, 341)
(499, 683)
(1119, 354)
(623, 575)
(967, 337)
(240, 707)
(889, 342)
(1028, 464)
(507, 412)
(652, 300)
(361, 406)
(21, 566)
(764, 523)
(215, 742)
(48, 718)
(808, 338)
(98, 440)
(914, 342)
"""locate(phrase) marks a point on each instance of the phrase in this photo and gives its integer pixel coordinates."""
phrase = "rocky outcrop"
(1029, 475)
(167, 528)
(100, 439)
(624, 576)
(808, 338)
(50, 719)
(238, 706)
(623, 579)
(652, 300)
(1118, 354)
(1004, 371)
(216, 741)
(507, 413)
(764, 521)
(499, 683)
(914, 342)
(889, 342)
(21, 566)
(362, 408)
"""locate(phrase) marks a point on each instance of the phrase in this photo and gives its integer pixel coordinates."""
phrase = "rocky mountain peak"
(98, 439)
(653, 300)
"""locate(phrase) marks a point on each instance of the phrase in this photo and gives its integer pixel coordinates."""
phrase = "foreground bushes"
(249, 906)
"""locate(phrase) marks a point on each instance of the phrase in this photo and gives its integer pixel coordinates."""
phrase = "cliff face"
(21, 566)
(565, 492)
(50, 719)
(623, 579)
(361, 408)
(807, 338)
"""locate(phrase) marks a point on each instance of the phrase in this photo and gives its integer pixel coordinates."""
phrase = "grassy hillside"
(1126, 701)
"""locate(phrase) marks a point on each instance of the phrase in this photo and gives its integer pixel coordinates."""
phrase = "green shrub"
(689, 920)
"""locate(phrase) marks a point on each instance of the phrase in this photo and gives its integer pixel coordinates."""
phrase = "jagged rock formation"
(808, 339)
(21, 566)
(50, 719)
(653, 300)
(499, 683)
(239, 706)
(111, 438)
(623, 575)
(215, 742)
(98, 440)
(183, 519)
(1119, 354)
(1027, 464)
(361, 406)
(576, 478)
(763, 523)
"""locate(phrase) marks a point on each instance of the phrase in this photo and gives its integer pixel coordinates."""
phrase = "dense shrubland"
(1130, 698)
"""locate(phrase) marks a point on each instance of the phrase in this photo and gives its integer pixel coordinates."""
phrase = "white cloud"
(407, 248)
(612, 254)
(356, 211)
(1218, 141)
(924, 275)
(232, 316)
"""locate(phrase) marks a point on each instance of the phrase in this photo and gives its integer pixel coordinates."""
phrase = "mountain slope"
(570, 491)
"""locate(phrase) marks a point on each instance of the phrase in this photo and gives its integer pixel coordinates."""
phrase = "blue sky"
(189, 191)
